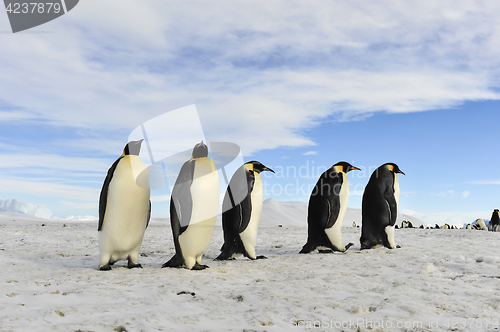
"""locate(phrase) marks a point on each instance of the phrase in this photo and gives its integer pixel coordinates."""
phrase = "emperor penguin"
(242, 208)
(481, 225)
(468, 226)
(193, 209)
(124, 209)
(494, 221)
(380, 207)
(326, 210)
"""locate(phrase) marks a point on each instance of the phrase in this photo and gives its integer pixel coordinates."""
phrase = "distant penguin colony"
(242, 208)
(380, 208)
(193, 209)
(326, 210)
(124, 209)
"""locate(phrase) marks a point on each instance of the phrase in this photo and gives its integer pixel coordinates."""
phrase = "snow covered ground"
(440, 280)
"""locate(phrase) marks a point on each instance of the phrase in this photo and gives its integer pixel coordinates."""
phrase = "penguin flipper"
(149, 215)
(181, 196)
(245, 209)
(237, 209)
(103, 198)
(317, 222)
(237, 204)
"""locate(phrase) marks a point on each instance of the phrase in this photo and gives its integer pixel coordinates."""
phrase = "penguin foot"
(225, 259)
(350, 244)
(131, 265)
(398, 246)
(174, 262)
(168, 264)
(325, 251)
(307, 248)
(199, 267)
(261, 257)
(106, 267)
(224, 256)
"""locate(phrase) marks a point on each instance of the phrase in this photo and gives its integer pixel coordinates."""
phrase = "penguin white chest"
(389, 230)
(249, 235)
(396, 190)
(334, 233)
(127, 210)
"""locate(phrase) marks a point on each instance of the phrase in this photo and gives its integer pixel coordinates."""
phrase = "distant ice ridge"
(80, 218)
(21, 207)
(295, 214)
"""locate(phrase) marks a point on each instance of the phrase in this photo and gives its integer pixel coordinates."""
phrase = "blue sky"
(294, 84)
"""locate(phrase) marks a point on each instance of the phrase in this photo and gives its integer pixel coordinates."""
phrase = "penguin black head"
(132, 148)
(345, 167)
(200, 150)
(258, 167)
(394, 168)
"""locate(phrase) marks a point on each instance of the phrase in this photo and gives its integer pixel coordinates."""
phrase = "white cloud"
(262, 72)
(444, 194)
(485, 182)
(452, 194)
(310, 153)
(42, 188)
(55, 162)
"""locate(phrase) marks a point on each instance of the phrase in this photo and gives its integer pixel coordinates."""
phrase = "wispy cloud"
(445, 194)
(42, 188)
(485, 182)
(54, 161)
(452, 194)
(310, 153)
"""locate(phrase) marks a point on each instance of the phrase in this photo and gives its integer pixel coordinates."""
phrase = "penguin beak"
(267, 169)
(400, 171)
(355, 168)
